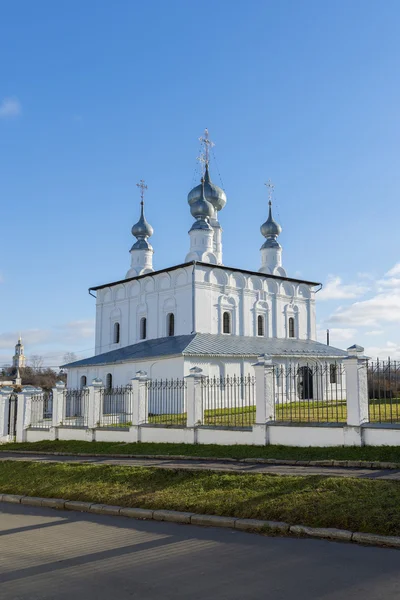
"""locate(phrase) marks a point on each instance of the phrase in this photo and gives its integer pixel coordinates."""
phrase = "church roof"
(210, 266)
(208, 344)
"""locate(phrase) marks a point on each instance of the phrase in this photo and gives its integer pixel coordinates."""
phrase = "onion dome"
(270, 229)
(213, 194)
(201, 210)
(142, 230)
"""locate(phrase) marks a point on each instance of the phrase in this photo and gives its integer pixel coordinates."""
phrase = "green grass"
(358, 505)
(367, 453)
(314, 411)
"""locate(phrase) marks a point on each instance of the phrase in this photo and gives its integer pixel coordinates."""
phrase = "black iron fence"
(229, 401)
(383, 391)
(116, 407)
(75, 407)
(42, 410)
(311, 393)
(166, 402)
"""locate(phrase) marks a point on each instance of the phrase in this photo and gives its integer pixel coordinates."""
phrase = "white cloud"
(375, 332)
(337, 335)
(52, 344)
(393, 271)
(334, 289)
(370, 313)
(10, 107)
(390, 349)
(383, 307)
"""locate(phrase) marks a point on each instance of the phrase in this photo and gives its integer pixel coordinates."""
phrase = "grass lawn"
(313, 411)
(366, 453)
(358, 505)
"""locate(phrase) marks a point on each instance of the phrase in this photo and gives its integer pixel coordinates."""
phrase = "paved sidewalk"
(68, 555)
(217, 465)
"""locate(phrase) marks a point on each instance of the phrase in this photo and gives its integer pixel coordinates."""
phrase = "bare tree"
(70, 357)
(36, 361)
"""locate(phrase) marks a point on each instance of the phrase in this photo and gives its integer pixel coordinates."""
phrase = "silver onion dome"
(213, 194)
(142, 229)
(201, 208)
(270, 229)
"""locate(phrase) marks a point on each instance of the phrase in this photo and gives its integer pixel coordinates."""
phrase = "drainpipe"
(193, 299)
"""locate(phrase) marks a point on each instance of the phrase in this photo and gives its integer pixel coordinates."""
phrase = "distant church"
(202, 312)
(19, 360)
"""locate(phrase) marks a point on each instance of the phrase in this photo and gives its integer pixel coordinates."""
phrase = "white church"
(202, 313)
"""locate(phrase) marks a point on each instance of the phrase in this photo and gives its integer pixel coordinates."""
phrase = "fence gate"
(12, 415)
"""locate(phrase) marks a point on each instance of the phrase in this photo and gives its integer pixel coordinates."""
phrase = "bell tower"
(19, 359)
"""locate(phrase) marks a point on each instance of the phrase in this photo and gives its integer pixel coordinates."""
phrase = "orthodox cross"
(142, 187)
(206, 144)
(270, 186)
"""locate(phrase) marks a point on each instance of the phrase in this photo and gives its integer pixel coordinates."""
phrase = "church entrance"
(12, 415)
(305, 383)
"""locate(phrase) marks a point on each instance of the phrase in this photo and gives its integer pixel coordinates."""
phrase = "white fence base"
(260, 435)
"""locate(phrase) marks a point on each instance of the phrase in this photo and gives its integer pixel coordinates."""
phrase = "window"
(291, 327)
(143, 328)
(226, 322)
(116, 333)
(260, 325)
(333, 374)
(109, 381)
(171, 324)
(83, 381)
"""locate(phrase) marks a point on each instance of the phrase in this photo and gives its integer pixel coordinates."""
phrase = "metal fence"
(311, 393)
(42, 410)
(383, 391)
(229, 401)
(166, 401)
(116, 407)
(75, 407)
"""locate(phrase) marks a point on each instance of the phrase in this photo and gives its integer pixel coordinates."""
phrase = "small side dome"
(270, 228)
(142, 229)
(212, 193)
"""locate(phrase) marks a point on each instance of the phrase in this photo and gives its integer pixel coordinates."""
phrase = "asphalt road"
(209, 465)
(47, 555)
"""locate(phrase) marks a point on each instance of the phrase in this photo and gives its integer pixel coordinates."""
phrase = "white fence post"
(265, 390)
(5, 394)
(24, 410)
(94, 403)
(139, 398)
(265, 398)
(57, 409)
(194, 400)
(58, 404)
(356, 394)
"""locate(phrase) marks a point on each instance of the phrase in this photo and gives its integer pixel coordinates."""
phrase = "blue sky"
(95, 96)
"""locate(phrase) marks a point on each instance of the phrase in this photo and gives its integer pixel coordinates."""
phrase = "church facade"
(202, 313)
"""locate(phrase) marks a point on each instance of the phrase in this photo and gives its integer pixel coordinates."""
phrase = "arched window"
(226, 322)
(116, 333)
(260, 325)
(171, 324)
(83, 381)
(143, 328)
(333, 374)
(291, 327)
(108, 381)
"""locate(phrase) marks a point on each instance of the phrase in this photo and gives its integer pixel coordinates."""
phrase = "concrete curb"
(174, 516)
(351, 464)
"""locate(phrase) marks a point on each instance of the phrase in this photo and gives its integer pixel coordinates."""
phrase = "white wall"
(122, 373)
(243, 296)
(153, 297)
(288, 435)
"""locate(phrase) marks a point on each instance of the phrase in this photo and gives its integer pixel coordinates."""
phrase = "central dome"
(213, 194)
